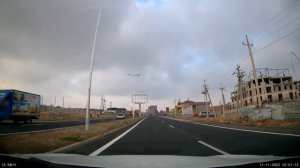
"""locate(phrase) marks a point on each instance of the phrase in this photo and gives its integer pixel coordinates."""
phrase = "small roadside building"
(191, 108)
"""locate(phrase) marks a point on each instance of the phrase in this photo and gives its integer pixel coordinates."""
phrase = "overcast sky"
(46, 45)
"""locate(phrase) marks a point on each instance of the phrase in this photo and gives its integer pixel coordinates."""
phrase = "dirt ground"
(55, 116)
(237, 121)
(48, 141)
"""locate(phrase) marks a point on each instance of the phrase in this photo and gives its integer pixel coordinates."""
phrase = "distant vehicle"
(120, 113)
(19, 106)
(112, 110)
(204, 114)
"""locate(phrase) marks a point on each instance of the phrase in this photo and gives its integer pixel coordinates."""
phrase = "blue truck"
(18, 106)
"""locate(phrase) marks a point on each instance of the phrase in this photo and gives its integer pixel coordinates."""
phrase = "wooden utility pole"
(207, 94)
(240, 74)
(205, 97)
(223, 97)
(253, 69)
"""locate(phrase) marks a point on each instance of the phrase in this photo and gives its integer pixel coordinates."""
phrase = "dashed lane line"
(171, 126)
(213, 148)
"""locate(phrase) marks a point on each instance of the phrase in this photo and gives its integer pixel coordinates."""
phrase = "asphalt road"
(157, 135)
(9, 127)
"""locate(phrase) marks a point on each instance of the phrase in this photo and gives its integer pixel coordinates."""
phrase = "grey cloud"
(175, 46)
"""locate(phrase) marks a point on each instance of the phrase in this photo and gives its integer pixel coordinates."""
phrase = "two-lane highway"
(157, 135)
(7, 128)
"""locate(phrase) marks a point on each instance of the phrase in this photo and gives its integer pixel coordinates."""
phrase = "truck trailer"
(18, 106)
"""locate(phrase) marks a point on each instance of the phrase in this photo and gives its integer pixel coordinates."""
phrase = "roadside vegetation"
(51, 140)
(239, 121)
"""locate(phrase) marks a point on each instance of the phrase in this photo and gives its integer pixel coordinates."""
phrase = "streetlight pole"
(87, 114)
(133, 76)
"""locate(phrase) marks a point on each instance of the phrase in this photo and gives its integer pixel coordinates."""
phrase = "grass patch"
(71, 138)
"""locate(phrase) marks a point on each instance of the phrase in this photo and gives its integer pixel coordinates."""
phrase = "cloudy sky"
(46, 46)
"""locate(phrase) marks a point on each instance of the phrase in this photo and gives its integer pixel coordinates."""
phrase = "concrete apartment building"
(271, 88)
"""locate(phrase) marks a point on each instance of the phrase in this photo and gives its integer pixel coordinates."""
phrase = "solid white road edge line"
(214, 148)
(98, 151)
(238, 129)
(171, 126)
(245, 130)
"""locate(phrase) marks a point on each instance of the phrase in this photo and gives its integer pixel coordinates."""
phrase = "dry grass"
(55, 116)
(60, 116)
(234, 121)
(48, 141)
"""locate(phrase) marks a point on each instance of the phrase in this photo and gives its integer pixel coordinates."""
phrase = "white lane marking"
(98, 151)
(44, 130)
(245, 130)
(239, 129)
(214, 148)
(171, 126)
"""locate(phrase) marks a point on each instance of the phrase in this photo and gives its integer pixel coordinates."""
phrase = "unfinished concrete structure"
(274, 85)
(297, 87)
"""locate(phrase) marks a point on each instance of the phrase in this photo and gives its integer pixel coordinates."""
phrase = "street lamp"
(133, 76)
(87, 114)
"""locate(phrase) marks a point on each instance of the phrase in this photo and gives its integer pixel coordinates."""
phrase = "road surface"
(10, 128)
(156, 135)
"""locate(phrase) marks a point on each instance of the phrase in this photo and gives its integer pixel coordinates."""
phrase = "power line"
(295, 55)
(269, 20)
(280, 28)
(282, 37)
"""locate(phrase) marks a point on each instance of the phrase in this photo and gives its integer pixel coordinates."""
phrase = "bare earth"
(48, 141)
(234, 121)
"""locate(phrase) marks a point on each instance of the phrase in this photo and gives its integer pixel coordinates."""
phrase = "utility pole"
(223, 97)
(253, 69)
(54, 101)
(205, 96)
(207, 93)
(102, 105)
(54, 104)
(63, 103)
(87, 113)
(175, 107)
(240, 74)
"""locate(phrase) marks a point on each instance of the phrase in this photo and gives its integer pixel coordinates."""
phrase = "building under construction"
(274, 85)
